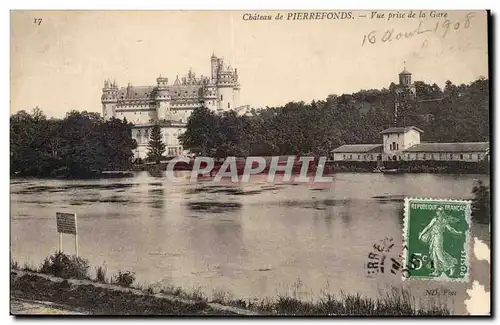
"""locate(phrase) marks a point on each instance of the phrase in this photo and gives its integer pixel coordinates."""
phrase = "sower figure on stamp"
(433, 235)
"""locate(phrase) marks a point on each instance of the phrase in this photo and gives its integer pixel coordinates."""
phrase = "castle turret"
(109, 99)
(162, 98)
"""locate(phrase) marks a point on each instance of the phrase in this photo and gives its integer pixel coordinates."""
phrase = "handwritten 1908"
(440, 28)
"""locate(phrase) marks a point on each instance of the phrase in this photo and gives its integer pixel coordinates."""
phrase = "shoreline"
(157, 171)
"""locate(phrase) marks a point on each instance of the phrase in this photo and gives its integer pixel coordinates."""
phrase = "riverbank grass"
(396, 301)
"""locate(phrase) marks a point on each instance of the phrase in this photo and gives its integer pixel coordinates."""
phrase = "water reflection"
(157, 198)
(250, 239)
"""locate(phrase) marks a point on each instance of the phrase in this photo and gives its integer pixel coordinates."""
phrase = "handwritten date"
(440, 28)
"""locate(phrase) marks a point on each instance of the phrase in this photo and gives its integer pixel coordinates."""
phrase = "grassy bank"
(65, 280)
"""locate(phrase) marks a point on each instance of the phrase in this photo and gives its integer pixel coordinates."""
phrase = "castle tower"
(227, 86)
(236, 89)
(109, 99)
(162, 98)
(214, 64)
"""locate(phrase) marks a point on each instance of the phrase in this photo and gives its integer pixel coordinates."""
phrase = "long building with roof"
(403, 143)
(170, 105)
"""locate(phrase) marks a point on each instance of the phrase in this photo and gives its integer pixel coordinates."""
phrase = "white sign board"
(66, 224)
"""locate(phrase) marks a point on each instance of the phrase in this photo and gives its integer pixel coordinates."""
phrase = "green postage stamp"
(436, 238)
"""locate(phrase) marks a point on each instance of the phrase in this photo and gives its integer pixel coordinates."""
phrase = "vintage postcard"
(249, 163)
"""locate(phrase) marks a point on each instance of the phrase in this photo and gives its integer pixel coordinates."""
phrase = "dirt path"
(33, 307)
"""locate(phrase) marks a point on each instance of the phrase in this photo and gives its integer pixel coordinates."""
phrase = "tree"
(156, 147)
(201, 134)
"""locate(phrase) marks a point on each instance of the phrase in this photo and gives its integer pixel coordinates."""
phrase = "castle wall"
(225, 98)
(108, 110)
(136, 115)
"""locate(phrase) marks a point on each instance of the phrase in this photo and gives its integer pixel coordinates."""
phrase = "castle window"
(470, 156)
(228, 105)
(451, 156)
(461, 156)
(344, 157)
(220, 97)
(425, 156)
(397, 146)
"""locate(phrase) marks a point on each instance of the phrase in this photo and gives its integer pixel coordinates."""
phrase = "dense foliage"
(458, 113)
(80, 144)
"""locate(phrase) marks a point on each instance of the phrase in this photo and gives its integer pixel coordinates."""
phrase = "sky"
(60, 63)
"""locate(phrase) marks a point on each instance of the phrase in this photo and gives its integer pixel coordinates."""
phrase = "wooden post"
(76, 245)
(76, 236)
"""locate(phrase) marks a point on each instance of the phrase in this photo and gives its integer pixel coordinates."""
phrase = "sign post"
(66, 224)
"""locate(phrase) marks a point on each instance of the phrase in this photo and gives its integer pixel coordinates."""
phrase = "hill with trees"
(458, 113)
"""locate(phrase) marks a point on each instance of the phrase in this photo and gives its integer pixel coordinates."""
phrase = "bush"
(66, 266)
(124, 279)
(14, 265)
(481, 203)
(100, 274)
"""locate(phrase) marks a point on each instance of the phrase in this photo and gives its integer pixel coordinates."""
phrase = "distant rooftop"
(450, 147)
(361, 148)
(401, 130)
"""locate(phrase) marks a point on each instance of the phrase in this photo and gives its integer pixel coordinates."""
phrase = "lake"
(253, 240)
